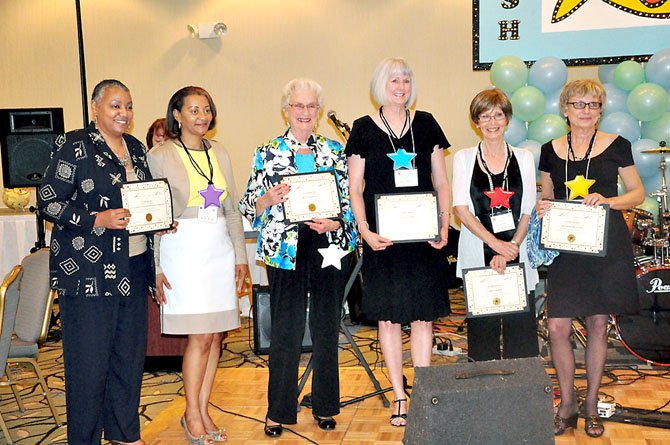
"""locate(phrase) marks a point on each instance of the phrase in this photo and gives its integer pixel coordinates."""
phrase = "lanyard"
(489, 175)
(392, 133)
(198, 169)
(587, 156)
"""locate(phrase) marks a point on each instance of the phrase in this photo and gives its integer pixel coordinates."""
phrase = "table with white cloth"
(18, 234)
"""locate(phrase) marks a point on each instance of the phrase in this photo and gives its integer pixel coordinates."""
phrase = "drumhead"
(647, 334)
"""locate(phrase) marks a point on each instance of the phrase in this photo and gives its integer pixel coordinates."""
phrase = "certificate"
(576, 228)
(408, 217)
(150, 205)
(489, 293)
(312, 195)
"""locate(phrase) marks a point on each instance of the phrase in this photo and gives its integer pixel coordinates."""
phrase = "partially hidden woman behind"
(397, 150)
(102, 274)
(200, 268)
(494, 195)
(157, 133)
(585, 164)
(301, 259)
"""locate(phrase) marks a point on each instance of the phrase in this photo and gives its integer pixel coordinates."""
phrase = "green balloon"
(657, 130)
(509, 73)
(628, 75)
(546, 128)
(647, 102)
(528, 103)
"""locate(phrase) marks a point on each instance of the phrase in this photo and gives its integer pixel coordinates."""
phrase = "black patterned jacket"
(83, 178)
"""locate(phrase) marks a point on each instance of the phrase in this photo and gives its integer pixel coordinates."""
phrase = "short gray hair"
(388, 68)
(300, 83)
(100, 88)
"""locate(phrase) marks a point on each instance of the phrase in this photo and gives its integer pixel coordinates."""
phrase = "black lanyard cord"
(198, 169)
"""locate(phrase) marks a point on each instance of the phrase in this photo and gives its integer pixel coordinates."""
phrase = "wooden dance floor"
(240, 398)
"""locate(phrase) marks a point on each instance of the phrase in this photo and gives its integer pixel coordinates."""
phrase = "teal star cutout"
(401, 159)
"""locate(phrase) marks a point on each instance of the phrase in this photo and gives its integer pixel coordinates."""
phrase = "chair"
(9, 299)
(32, 319)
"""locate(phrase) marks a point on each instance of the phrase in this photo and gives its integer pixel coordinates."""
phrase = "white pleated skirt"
(199, 263)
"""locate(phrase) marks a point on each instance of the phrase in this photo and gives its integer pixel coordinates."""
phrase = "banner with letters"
(581, 32)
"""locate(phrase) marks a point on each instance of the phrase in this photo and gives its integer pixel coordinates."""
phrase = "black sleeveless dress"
(407, 281)
(583, 285)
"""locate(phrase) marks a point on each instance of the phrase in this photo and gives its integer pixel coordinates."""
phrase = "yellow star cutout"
(579, 186)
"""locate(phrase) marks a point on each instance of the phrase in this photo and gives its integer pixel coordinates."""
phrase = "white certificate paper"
(408, 217)
(150, 205)
(571, 226)
(312, 195)
(489, 293)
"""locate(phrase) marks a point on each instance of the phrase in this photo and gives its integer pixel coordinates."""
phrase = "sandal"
(594, 426)
(194, 440)
(562, 424)
(403, 417)
(218, 435)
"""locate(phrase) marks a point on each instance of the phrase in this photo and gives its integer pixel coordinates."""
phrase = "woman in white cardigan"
(494, 194)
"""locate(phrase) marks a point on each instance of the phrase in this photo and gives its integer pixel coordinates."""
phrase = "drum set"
(647, 334)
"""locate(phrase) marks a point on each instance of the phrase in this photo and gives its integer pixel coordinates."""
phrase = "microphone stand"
(41, 232)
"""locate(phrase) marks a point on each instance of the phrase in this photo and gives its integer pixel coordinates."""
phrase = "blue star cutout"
(401, 159)
(212, 196)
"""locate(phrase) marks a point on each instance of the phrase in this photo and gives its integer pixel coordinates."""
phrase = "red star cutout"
(499, 197)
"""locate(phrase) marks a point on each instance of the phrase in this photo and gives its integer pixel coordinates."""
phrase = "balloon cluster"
(637, 106)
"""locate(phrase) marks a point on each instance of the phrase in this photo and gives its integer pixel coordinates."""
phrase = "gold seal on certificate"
(150, 205)
(571, 226)
(312, 195)
(408, 217)
(489, 293)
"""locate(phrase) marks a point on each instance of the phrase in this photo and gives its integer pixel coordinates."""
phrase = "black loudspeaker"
(262, 322)
(26, 139)
(495, 402)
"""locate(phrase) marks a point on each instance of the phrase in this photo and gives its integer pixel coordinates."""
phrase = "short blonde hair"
(580, 88)
(301, 83)
(388, 68)
(488, 99)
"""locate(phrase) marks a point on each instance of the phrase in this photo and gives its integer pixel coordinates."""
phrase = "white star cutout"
(332, 256)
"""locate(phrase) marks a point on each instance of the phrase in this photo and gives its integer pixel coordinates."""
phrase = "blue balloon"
(646, 163)
(652, 183)
(516, 131)
(622, 124)
(658, 130)
(616, 99)
(657, 69)
(548, 74)
(553, 103)
(606, 73)
(535, 148)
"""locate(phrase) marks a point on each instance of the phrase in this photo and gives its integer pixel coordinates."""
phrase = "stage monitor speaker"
(262, 320)
(494, 402)
(26, 140)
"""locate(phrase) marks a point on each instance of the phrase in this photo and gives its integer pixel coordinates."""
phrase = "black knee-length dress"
(583, 285)
(407, 281)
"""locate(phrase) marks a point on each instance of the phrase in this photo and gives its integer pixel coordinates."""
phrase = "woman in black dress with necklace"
(585, 163)
(399, 151)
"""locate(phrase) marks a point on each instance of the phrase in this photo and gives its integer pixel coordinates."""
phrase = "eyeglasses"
(581, 105)
(488, 117)
(301, 107)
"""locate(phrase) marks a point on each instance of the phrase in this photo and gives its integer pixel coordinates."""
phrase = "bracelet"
(514, 242)
(363, 222)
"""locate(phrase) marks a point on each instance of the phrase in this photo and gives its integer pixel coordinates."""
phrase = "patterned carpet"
(36, 426)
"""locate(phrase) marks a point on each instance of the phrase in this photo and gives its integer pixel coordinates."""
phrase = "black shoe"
(273, 430)
(325, 423)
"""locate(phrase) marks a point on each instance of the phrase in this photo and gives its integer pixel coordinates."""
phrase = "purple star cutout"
(212, 196)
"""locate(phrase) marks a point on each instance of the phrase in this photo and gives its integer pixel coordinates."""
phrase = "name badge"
(502, 222)
(208, 214)
(406, 177)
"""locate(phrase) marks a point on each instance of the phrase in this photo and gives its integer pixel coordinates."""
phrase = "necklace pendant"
(212, 196)
(579, 187)
(499, 197)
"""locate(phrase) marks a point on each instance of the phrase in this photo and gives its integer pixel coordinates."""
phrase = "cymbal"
(660, 150)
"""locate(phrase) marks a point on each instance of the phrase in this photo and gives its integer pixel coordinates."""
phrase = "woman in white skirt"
(199, 269)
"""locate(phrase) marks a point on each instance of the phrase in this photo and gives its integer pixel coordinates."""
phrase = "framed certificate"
(571, 226)
(408, 217)
(150, 205)
(312, 195)
(489, 293)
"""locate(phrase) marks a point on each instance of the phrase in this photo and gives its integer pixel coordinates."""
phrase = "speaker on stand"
(262, 322)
